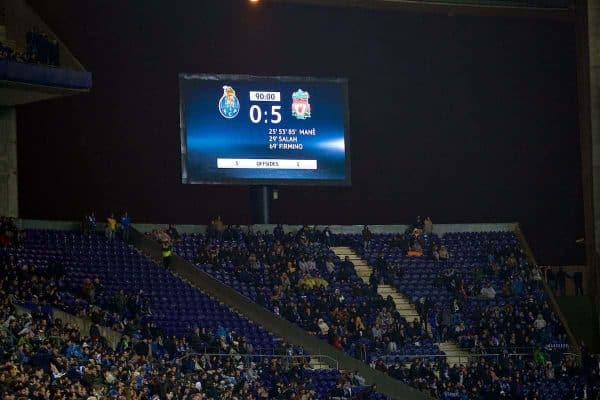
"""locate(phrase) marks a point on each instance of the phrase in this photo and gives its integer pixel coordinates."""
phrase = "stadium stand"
(462, 285)
(299, 278)
(162, 353)
(511, 353)
(517, 346)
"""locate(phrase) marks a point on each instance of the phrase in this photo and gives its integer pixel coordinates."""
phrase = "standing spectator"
(374, 280)
(561, 281)
(173, 232)
(550, 278)
(346, 269)
(578, 281)
(167, 253)
(90, 223)
(366, 237)
(427, 226)
(418, 224)
(111, 227)
(327, 236)
(125, 226)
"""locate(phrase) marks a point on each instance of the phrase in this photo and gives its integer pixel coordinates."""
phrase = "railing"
(462, 359)
(319, 359)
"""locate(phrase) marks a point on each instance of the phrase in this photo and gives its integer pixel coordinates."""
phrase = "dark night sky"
(467, 119)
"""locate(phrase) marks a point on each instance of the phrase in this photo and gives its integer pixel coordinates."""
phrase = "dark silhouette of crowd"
(9, 233)
(41, 49)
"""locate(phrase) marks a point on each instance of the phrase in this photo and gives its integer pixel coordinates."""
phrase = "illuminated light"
(254, 1)
(336, 145)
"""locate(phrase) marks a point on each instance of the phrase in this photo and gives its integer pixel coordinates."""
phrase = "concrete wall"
(84, 325)
(9, 202)
(51, 225)
(440, 229)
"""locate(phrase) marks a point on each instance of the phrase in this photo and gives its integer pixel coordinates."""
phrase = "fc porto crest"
(300, 104)
(229, 105)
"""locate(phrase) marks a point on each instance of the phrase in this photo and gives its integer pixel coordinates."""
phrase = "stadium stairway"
(454, 354)
(289, 332)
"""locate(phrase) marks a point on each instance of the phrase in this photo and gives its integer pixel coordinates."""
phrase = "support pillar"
(9, 200)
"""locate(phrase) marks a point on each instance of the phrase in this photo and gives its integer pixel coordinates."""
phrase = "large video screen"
(264, 130)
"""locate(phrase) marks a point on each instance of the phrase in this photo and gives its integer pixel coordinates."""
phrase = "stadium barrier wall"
(112, 337)
(44, 75)
(439, 229)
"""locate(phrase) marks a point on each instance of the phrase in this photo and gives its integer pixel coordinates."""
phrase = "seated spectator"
(443, 252)
(400, 242)
(517, 286)
(488, 292)
(415, 250)
(323, 327)
(435, 254)
(306, 265)
(88, 289)
(329, 266)
(540, 322)
(310, 282)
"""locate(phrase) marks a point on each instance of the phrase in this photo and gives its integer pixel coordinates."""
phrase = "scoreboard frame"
(343, 82)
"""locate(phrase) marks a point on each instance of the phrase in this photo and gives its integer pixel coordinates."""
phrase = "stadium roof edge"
(450, 7)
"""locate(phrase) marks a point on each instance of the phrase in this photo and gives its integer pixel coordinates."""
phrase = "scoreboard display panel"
(239, 129)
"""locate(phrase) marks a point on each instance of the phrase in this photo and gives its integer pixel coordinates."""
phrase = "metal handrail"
(330, 361)
(409, 357)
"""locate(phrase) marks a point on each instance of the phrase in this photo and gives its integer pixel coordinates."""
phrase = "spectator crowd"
(41, 49)
(43, 358)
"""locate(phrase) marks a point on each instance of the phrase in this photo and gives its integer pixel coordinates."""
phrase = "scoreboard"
(239, 129)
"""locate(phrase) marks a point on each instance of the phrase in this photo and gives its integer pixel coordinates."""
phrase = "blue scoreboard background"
(264, 130)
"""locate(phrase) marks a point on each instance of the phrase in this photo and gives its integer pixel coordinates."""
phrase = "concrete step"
(454, 354)
(316, 364)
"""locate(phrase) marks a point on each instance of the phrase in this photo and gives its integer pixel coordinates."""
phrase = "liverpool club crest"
(300, 104)
(229, 105)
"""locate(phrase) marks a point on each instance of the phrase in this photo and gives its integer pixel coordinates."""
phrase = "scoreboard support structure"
(262, 204)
